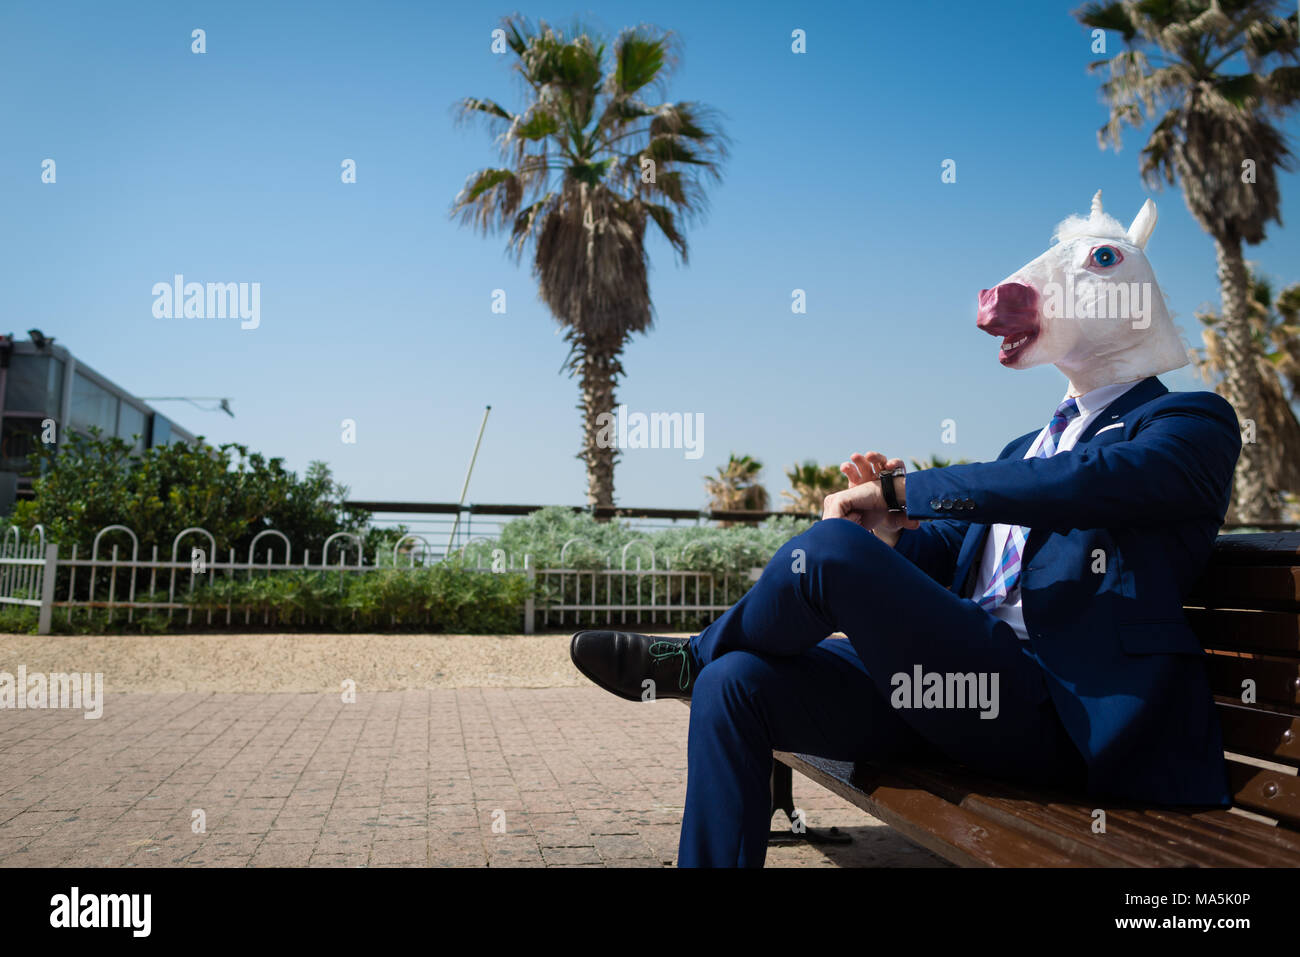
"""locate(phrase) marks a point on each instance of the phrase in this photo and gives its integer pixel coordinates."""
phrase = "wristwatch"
(887, 487)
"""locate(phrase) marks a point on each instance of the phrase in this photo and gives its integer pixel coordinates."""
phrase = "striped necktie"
(1007, 575)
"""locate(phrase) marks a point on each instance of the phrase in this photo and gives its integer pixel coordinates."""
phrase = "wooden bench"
(1246, 611)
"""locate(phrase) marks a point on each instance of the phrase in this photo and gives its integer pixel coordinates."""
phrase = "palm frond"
(1181, 73)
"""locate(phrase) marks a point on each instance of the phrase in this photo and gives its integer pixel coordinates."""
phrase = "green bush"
(543, 534)
(447, 597)
(91, 482)
(728, 554)
(18, 619)
(23, 620)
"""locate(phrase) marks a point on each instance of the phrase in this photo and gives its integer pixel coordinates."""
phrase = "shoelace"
(668, 649)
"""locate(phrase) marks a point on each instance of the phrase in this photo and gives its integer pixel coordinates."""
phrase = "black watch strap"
(887, 487)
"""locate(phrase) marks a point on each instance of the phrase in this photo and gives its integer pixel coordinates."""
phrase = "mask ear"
(1143, 225)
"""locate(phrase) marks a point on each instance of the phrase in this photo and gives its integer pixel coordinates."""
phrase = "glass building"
(44, 391)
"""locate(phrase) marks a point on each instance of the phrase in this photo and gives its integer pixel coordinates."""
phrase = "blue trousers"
(770, 678)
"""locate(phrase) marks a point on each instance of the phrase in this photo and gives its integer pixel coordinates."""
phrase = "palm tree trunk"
(599, 372)
(1253, 500)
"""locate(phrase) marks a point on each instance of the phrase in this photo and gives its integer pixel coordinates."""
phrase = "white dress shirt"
(1091, 404)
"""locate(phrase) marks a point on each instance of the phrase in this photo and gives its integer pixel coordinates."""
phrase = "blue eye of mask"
(1105, 256)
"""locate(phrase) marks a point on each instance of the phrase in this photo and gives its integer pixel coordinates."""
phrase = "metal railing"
(116, 581)
(22, 568)
(649, 595)
(29, 572)
(632, 587)
(435, 521)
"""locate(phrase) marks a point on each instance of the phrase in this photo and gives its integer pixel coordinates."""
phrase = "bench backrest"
(1246, 612)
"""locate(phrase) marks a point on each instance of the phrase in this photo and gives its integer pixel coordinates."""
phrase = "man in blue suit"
(1021, 616)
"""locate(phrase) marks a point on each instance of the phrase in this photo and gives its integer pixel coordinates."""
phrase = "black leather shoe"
(620, 661)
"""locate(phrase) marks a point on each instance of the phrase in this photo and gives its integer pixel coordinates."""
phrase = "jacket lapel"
(1142, 393)
(971, 547)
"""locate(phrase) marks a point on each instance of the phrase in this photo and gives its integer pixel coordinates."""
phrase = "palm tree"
(1214, 76)
(935, 462)
(810, 483)
(1275, 328)
(736, 486)
(587, 164)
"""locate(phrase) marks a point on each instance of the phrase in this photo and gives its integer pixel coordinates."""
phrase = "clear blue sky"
(376, 306)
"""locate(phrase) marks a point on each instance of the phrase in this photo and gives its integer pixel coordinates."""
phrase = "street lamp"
(194, 400)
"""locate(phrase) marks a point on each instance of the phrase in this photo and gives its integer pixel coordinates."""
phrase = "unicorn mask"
(1089, 305)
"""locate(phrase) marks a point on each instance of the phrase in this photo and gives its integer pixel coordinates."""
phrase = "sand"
(299, 662)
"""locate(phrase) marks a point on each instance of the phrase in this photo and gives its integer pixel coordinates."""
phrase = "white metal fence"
(647, 595)
(633, 593)
(119, 581)
(113, 580)
(23, 572)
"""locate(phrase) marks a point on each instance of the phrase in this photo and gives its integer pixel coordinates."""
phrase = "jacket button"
(935, 504)
(946, 504)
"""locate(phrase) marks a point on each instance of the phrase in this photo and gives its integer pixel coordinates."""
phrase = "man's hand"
(864, 502)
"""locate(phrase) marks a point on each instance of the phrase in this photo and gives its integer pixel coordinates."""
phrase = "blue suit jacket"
(1120, 526)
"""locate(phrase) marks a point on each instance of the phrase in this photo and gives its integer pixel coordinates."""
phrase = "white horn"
(1096, 204)
(1143, 225)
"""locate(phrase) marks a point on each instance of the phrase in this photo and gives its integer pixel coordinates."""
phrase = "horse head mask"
(1089, 305)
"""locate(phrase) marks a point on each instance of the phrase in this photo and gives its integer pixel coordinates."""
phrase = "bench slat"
(1274, 632)
(1201, 843)
(1257, 548)
(1135, 837)
(1062, 824)
(1270, 735)
(1280, 839)
(925, 818)
(1265, 791)
(1277, 682)
(1232, 836)
(1261, 587)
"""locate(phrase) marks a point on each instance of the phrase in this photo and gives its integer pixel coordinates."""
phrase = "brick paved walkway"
(444, 776)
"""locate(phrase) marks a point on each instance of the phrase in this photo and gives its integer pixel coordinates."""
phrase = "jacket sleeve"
(935, 546)
(1176, 465)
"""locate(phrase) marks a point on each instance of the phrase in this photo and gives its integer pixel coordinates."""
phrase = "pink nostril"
(1004, 299)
